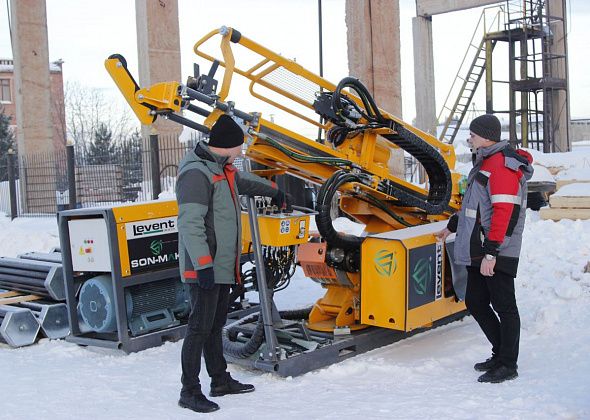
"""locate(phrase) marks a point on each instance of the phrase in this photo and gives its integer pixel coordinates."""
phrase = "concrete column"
(33, 104)
(360, 45)
(374, 49)
(424, 75)
(373, 35)
(158, 49)
(31, 76)
(559, 69)
(387, 73)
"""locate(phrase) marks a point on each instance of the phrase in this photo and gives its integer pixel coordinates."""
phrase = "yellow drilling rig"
(390, 282)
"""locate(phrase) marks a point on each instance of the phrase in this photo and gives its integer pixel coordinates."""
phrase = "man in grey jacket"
(209, 242)
(489, 230)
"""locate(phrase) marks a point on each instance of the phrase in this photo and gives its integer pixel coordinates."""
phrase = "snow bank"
(541, 174)
(578, 189)
(24, 235)
(557, 162)
(577, 174)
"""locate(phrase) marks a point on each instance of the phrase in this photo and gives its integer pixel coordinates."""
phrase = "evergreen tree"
(103, 149)
(131, 158)
(6, 143)
(131, 149)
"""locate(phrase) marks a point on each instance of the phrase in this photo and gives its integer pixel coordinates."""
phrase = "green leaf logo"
(156, 247)
(422, 275)
(385, 262)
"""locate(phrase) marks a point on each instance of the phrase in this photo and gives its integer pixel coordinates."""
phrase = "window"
(5, 90)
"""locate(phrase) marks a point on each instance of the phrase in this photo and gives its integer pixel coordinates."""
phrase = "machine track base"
(329, 350)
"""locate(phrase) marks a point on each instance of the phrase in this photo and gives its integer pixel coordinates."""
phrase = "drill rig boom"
(360, 137)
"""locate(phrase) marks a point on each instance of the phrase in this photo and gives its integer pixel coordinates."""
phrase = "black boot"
(489, 364)
(498, 374)
(198, 403)
(231, 386)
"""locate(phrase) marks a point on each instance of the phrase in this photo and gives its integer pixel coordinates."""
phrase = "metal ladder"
(466, 81)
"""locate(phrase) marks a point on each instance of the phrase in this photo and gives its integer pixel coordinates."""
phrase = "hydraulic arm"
(359, 138)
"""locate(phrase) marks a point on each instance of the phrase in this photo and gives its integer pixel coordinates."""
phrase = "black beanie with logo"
(487, 126)
(226, 133)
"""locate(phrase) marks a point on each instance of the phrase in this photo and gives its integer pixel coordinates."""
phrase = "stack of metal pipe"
(18, 326)
(42, 278)
(52, 317)
(39, 274)
(54, 257)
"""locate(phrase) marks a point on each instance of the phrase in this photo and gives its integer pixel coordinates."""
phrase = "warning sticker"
(285, 226)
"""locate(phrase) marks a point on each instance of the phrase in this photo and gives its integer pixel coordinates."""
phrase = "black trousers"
(203, 336)
(497, 290)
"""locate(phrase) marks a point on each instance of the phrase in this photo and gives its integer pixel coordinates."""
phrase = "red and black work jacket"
(491, 219)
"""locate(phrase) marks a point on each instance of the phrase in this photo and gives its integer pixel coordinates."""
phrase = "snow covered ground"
(427, 376)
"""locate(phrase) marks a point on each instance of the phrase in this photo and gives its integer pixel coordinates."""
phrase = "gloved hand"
(283, 201)
(206, 278)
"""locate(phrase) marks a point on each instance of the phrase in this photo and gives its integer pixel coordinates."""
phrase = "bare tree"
(59, 118)
(88, 109)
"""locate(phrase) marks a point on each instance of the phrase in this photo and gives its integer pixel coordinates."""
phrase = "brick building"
(8, 98)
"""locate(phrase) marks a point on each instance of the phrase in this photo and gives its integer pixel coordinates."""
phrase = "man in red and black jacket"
(489, 230)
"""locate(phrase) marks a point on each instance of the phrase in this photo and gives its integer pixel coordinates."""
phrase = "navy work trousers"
(203, 336)
(487, 296)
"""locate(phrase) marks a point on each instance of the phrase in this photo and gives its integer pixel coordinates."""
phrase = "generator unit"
(122, 282)
(121, 275)
(149, 307)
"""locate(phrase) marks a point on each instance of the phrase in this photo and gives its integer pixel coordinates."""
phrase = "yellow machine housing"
(409, 282)
(277, 230)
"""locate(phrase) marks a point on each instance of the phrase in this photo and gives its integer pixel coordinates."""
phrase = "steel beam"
(436, 7)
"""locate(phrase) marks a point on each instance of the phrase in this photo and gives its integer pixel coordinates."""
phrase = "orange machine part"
(312, 258)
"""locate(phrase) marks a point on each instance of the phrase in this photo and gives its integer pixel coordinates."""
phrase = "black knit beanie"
(487, 126)
(226, 133)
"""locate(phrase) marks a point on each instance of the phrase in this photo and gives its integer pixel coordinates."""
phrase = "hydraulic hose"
(439, 175)
(372, 114)
(323, 219)
(247, 349)
(300, 157)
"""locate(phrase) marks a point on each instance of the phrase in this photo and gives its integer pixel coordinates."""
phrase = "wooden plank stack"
(563, 182)
(571, 201)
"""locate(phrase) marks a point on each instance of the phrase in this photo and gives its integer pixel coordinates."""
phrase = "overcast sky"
(83, 33)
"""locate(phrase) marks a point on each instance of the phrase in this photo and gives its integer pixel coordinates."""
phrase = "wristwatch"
(490, 257)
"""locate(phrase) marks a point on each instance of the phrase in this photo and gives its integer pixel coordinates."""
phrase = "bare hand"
(487, 267)
(442, 235)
